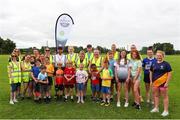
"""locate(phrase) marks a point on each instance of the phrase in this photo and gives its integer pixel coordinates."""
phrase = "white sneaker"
(82, 101)
(11, 102)
(118, 104)
(78, 101)
(165, 113)
(15, 100)
(126, 104)
(155, 110)
(148, 101)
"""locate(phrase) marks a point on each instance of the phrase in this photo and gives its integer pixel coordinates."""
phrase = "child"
(50, 72)
(69, 82)
(146, 64)
(43, 80)
(59, 79)
(95, 81)
(111, 66)
(34, 74)
(81, 78)
(106, 77)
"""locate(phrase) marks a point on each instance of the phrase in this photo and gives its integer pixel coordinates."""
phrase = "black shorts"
(14, 87)
(18, 84)
(44, 88)
(59, 87)
(69, 86)
(37, 87)
(146, 78)
(122, 80)
(50, 80)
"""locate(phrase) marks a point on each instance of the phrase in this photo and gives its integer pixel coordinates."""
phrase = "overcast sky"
(99, 22)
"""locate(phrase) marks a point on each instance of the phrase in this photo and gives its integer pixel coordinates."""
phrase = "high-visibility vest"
(73, 58)
(116, 56)
(97, 62)
(51, 59)
(15, 72)
(85, 63)
(26, 75)
(89, 58)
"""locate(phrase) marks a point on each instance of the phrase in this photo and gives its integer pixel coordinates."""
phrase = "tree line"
(7, 46)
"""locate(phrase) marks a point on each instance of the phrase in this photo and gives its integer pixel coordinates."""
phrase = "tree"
(168, 48)
(6, 46)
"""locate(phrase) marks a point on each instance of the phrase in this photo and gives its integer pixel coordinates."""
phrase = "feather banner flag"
(63, 28)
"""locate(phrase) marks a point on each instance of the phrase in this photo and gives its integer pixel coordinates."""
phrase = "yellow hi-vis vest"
(73, 58)
(26, 75)
(15, 72)
(89, 58)
(85, 63)
(97, 62)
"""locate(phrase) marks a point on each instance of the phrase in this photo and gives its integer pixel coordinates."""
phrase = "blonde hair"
(69, 47)
(161, 52)
(82, 52)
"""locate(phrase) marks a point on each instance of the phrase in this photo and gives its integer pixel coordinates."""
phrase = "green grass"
(29, 109)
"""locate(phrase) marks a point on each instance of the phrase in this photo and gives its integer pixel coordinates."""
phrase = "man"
(89, 53)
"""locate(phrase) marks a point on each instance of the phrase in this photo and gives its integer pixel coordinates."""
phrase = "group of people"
(71, 74)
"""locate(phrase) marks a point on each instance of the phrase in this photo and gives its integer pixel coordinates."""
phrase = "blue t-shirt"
(159, 69)
(111, 65)
(35, 70)
(42, 76)
(147, 63)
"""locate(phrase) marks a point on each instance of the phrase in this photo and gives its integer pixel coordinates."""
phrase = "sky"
(31, 23)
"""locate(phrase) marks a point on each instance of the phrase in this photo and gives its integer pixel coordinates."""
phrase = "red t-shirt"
(95, 76)
(59, 77)
(69, 72)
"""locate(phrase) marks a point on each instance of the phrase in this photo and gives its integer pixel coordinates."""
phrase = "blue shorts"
(105, 90)
(14, 87)
(95, 88)
(80, 86)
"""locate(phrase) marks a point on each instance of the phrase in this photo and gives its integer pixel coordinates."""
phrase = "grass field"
(29, 109)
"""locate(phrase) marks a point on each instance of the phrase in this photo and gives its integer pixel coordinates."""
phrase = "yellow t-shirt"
(50, 69)
(107, 73)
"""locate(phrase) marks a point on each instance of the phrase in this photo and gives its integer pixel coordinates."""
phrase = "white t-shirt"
(81, 76)
(59, 59)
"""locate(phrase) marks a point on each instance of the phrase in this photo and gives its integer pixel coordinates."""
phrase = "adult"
(26, 72)
(48, 54)
(160, 75)
(146, 64)
(71, 56)
(59, 58)
(14, 73)
(18, 54)
(135, 68)
(89, 53)
(36, 53)
(115, 53)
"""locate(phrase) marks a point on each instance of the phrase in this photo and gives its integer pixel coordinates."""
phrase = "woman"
(136, 68)
(14, 73)
(160, 75)
(42, 59)
(71, 56)
(26, 70)
(122, 76)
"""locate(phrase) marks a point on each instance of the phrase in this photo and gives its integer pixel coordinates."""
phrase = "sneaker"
(11, 102)
(148, 101)
(102, 103)
(126, 104)
(82, 101)
(138, 107)
(15, 101)
(78, 101)
(107, 104)
(118, 104)
(165, 113)
(72, 100)
(134, 104)
(154, 110)
(65, 100)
